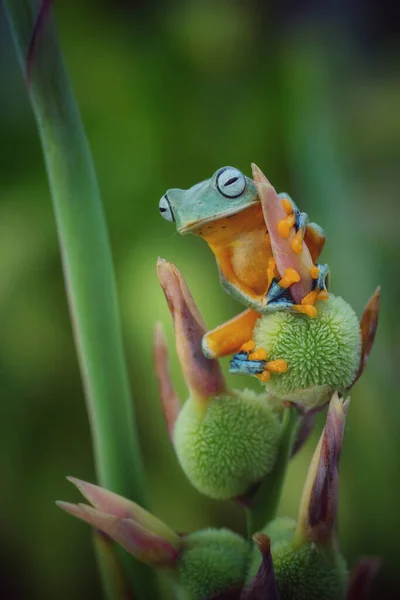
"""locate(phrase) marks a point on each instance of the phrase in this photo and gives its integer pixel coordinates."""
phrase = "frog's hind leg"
(314, 239)
(229, 337)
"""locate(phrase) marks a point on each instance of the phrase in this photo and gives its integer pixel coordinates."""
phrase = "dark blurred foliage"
(169, 92)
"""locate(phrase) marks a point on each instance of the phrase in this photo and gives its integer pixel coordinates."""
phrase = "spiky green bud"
(229, 444)
(212, 561)
(322, 354)
(305, 572)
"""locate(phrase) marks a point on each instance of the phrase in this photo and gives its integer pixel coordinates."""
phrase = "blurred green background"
(169, 92)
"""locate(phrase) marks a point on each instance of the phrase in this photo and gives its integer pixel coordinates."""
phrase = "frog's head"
(226, 193)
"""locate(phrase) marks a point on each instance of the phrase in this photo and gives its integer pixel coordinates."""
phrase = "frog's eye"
(165, 209)
(231, 182)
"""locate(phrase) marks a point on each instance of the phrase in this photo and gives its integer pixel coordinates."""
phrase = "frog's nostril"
(165, 208)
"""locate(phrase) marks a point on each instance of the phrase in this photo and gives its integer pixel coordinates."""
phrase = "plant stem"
(88, 267)
(264, 504)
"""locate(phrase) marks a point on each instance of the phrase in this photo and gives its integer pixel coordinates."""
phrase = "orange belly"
(242, 249)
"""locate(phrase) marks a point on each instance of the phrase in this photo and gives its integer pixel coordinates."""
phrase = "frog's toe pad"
(247, 346)
(277, 366)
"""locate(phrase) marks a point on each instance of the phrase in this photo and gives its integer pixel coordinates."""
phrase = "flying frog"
(264, 246)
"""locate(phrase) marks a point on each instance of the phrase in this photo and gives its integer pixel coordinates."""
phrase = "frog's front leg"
(295, 218)
(229, 337)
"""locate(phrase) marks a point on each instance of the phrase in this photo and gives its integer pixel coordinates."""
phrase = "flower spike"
(319, 502)
(368, 326)
(203, 376)
(287, 261)
(136, 530)
(169, 399)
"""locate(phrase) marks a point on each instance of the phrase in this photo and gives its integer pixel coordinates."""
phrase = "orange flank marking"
(314, 272)
(297, 242)
(290, 276)
(310, 298)
(259, 354)
(264, 376)
(287, 206)
(308, 310)
(277, 366)
(247, 346)
(323, 295)
(285, 225)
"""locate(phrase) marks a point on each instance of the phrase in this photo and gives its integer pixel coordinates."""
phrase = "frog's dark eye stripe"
(230, 182)
(166, 208)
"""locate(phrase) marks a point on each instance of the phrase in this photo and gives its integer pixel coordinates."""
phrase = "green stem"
(264, 504)
(88, 268)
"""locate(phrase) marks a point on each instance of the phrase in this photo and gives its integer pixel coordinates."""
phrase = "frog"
(250, 237)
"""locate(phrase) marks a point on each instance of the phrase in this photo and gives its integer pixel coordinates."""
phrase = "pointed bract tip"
(368, 328)
(262, 541)
(319, 502)
(203, 376)
(281, 245)
(117, 506)
(264, 584)
(258, 175)
(140, 533)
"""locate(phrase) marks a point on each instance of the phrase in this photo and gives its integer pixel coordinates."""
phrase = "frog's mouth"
(193, 226)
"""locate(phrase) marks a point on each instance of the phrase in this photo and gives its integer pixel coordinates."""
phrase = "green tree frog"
(264, 246)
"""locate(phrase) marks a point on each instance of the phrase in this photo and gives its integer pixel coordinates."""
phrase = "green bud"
(306, 572)
(322, 354)
(228, 444)
(212, 561)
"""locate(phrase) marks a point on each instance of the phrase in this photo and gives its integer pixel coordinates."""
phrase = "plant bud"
(229, 445)
(211, 561)
(322, 354)
(306, 572)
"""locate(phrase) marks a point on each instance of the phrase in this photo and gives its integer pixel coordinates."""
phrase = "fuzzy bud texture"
(229, 445)
(320, 352)
(212, 561)
(308, 572)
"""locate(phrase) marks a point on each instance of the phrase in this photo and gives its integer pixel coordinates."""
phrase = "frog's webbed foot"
(295, 218)
(278, 296)
(249, 361)
(320, 274)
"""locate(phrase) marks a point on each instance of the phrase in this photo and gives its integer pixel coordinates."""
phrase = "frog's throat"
(194, 225)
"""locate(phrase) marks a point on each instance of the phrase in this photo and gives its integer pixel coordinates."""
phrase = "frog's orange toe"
(306, 309)
(314, 272)
(310, 298)
(285, 225)
(287, 206)
(277, 366)
(264, 376)
(290, 276)
(247, 346)
(297, 242)
(259, 354)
